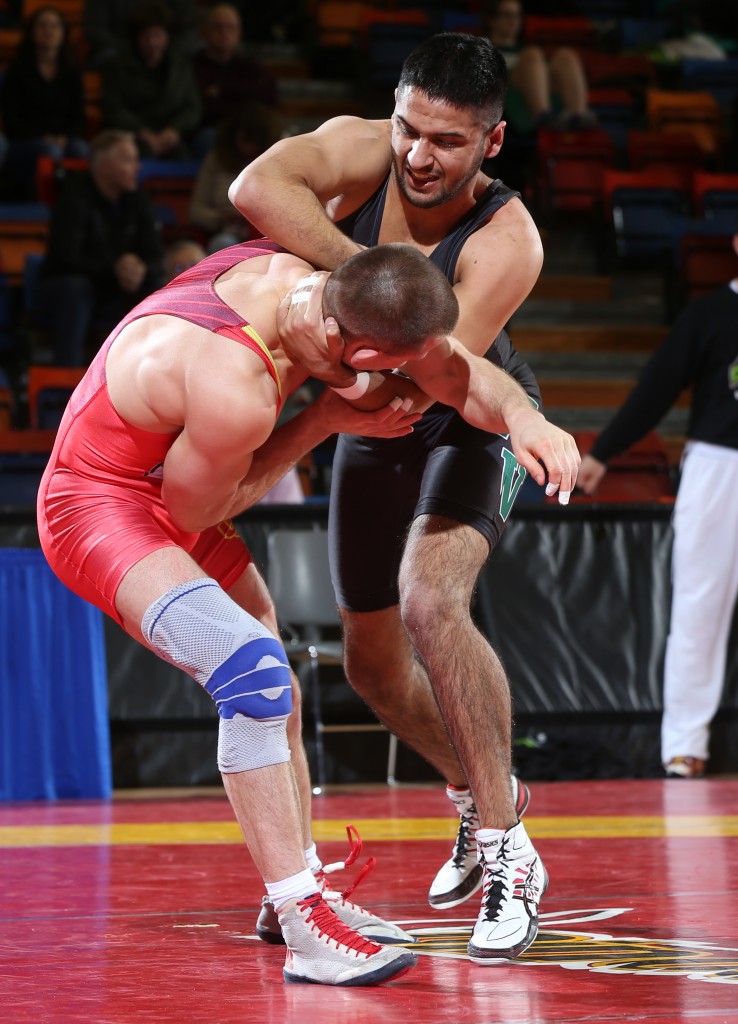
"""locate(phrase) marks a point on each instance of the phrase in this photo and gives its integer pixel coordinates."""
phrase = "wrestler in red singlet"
(100, 509)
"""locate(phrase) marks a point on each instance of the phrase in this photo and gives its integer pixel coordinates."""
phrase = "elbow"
(189, 523)
(185, 516)
(243, 193)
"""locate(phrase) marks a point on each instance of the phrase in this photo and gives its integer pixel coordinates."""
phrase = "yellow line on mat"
(370, 829)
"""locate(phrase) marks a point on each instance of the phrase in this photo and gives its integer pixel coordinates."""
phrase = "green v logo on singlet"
(513, 476)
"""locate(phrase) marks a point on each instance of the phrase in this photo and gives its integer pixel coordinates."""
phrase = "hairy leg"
(265, 800)
(381, 666)
(441, 563)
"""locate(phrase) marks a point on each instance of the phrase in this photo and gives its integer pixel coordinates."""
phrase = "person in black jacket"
(701, 352)
(150, 89)
(42, 99)
(105, 251)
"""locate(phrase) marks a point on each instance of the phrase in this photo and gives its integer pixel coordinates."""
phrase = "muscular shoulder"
(164, 373)
(511, 231)
(496, 270)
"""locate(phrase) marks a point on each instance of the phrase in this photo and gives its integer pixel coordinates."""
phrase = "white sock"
(293, 888)
(313, 860)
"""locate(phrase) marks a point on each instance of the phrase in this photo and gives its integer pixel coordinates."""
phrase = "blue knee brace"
(236, 659)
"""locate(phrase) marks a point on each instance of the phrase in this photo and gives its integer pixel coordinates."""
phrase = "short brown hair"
(392, 294)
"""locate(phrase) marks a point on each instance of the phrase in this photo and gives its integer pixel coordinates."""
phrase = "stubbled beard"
(443, 195)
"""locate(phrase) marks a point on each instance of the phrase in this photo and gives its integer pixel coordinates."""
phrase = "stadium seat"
(616, 110)
(7, 401)
(23, 457)
(716, 198)
(695, 112)
(641, 207)
(717, 77)
(642, 33)
(24, 228)
(571, 166)
(633, 71)
(387, 39)
(553, 32)
(50, 174)
(676, 150)
(170, 184)
(49, 390)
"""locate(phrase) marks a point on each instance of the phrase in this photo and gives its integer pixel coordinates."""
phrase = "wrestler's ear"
(495, 137)
(363, 356)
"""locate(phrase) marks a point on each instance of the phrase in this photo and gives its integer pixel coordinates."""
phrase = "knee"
(423, 604)
(531, 58)
(565, 61)
(196, 626)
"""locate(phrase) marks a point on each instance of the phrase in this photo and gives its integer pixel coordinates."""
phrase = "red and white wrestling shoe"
(461, 875)
(322, 950)
(368, 925)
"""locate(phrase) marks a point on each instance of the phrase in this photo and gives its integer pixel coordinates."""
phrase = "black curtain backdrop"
(576, 603)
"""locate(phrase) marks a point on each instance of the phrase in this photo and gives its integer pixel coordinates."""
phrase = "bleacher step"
(592, 394)
(586, 337)
(572, 288)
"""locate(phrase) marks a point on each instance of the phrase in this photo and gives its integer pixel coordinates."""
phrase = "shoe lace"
(468, 824)
(355, 845)
(513, 877)
(322, 919)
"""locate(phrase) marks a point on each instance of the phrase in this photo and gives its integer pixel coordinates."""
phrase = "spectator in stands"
(106, 27)
(544, 91)
(226, 76)
(104, 253)
(701, 352)
(180, 255)
(42, 99)
(245, 133)
(151, 90)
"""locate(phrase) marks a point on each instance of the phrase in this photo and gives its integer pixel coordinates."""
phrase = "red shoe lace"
(355, 845)
(326, 923)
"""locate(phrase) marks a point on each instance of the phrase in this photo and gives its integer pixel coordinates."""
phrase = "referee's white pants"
(704, 588)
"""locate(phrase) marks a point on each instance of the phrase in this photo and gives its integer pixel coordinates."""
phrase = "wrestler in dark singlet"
(445, 467)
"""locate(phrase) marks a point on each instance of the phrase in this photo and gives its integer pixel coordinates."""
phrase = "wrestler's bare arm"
(489, 398)
(225, 420)
(497, 269)
(328, 415)
(229, 455)
(295, 190)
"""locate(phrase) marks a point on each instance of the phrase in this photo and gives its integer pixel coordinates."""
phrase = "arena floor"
(143, 910)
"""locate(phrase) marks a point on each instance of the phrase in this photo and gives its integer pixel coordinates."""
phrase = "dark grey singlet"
(444, 468)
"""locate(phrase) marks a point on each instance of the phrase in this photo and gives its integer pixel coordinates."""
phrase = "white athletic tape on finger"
(551, 489)
(564, 497)
(357, 389)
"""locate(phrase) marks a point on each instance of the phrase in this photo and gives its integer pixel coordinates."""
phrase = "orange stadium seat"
(49, 389)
